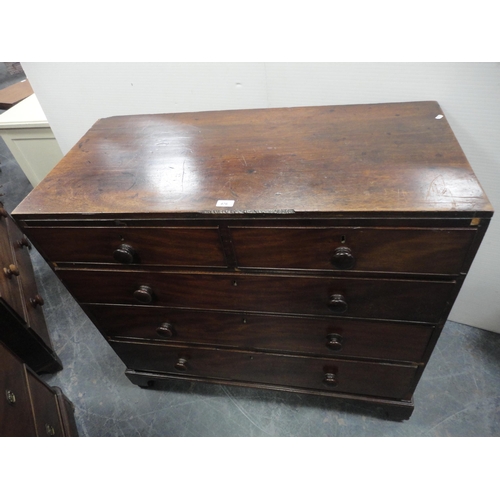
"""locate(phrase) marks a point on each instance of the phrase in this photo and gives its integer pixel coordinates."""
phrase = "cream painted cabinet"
(27, 134)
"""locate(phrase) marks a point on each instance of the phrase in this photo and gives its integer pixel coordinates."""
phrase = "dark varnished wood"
(28, 406)
(22, 323)
(332, 273)
(45, 406)
(155, 246)
(307, 336)
(387, 158)
(15, 405)
(372, 379)
(365, 298)
(392, 409)
(434, 251)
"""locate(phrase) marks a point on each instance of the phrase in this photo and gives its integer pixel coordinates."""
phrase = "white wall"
(75, 95)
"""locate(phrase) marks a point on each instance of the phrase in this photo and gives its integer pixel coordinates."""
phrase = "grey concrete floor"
(458, 395)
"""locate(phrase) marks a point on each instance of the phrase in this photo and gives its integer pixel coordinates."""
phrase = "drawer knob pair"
(343, 258)
(125, 254)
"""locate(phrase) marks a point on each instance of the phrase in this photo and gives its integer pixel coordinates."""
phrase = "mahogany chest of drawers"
(315, 249)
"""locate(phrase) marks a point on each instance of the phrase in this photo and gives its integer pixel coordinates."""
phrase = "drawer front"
(362, 298)
(146, 246)
(16, 417)
(46, 410)
(33, 301)
(10, 281)
(432, 251)
(363, 378)
(313, 336)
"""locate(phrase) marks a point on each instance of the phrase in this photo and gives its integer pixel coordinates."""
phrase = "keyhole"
(235, 283)
(342, 239)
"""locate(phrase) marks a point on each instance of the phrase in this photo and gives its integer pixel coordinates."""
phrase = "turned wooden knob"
(166, 330)
(3, 212)
(10, 271)
(334, 341)
(337, 303)
(37, 301)
(125, 254)
(181, 364)
(24, 242)
(330, 379)
(144, 294)
(343, 258)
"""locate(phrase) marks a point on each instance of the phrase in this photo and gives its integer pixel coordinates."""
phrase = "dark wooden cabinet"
(316, 250)
(22, 323)
(28, 406)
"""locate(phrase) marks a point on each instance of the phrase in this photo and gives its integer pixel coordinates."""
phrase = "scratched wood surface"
(398, 157)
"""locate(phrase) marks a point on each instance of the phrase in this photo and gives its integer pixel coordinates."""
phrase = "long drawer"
(309, 336)
(363, 378)
(164, 246)
(363, 298)
(428, 251)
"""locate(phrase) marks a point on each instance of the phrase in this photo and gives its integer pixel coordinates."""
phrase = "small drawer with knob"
(130, 246)
(308, 373)
(381, 249)
(274, 333)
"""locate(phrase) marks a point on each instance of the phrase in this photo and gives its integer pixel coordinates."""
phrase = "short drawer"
(409, 300)
(363, 378)
(313, 336)
(428, 251)
(161, 246)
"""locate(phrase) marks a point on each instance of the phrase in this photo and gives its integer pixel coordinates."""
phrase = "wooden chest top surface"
(397, 158)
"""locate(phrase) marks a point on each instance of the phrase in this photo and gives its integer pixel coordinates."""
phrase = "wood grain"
(386, 157)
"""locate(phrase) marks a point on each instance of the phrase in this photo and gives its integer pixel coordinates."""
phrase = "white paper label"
(225, 203)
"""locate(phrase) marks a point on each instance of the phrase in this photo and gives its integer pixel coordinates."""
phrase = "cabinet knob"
(10, 271)
(3, 212)
(166, 330)
(11, 397)
(49, 430)
(181, 364)
(37, 301)
(334, 341)
(343, 258)
(330, 379)
(24, 242)
(144, 294)
(125, 254)
(337, 303)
